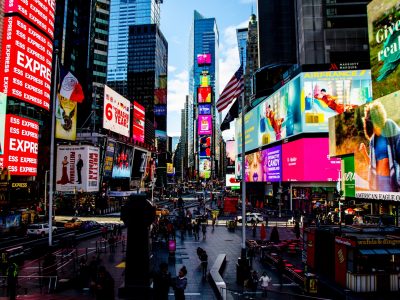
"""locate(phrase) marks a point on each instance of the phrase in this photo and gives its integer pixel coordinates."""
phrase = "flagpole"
(243, 253)
(53, 121)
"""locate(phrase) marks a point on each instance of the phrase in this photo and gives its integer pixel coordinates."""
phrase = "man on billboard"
(79, 166)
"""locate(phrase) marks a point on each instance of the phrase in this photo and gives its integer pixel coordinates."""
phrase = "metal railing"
(31, 284)
(270, 294)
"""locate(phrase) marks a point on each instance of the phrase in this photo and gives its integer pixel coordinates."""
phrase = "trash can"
(310, 283)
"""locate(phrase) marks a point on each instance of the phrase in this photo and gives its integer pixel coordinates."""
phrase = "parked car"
(39, 229)
(252, 217)
(74, 223)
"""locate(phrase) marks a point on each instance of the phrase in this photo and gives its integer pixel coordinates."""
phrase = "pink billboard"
(204, 124)
(203, 59)
(308, 160)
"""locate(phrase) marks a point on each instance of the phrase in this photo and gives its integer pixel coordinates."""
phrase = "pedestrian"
(161, 282)
(264, 282)
(204, 263)
(196, 230)
(280, 268)
(119, 230)
(180, 284)
(104, 285)
(254, 229)
(111, 243)
(296, 230)
(274, 235)
(104, 232)
(253, 281)
(12, 280)
(204, 230)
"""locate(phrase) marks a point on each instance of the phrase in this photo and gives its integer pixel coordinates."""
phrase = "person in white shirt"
(264, 281)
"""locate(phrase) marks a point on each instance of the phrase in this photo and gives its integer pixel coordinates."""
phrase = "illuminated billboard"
(204, 80)
(123, 160)
(203, 59)
(160, 96)
(138, 122)
(372, 134)
(20, 146)
(27, 54)
(39, 12)
(77, 168)
(264, 166)
(230, 157)
(204, 94)
(109, 159)
(384, 46)
(205, 145)
(204, 109)
(170, 169)
(116, 115)
(3, 108)
(308, 159)
(160, 110)
(66, 116)
(204, 124)
(204, 168)
(230, 181)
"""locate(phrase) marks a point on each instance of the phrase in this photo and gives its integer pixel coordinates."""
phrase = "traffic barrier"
(215, 274)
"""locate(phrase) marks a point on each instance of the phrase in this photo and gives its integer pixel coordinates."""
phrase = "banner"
(116, 115)
(109, 159)
(66, 116)
(123, 160)
(77, 168)
(138, 122)
(3, 109)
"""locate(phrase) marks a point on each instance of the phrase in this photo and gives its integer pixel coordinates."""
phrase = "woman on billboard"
(64, 177)
(384, 147)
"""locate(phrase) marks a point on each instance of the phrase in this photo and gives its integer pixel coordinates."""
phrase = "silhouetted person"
(162, 281)
(12, 280)
(274, 235)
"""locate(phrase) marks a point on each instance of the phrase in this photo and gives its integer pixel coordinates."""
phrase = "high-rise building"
(252, 63)
(122, 15)
(204, 39)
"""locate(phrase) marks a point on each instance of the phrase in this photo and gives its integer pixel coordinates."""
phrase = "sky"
(176, 21)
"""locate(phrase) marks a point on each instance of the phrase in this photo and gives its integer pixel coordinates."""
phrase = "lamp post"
(45, 192)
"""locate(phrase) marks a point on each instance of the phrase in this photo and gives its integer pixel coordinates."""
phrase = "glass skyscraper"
(123, 14)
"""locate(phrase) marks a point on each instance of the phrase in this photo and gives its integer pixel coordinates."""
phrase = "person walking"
(204, 263)
(204, 230)
(180, 284)
(12, 280)
(253, 281)
(264, 282)
(196, 230)
(281, 268)
(296, 230)
(104, 285)
(162, 281)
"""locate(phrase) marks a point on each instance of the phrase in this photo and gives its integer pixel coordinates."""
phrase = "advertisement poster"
(116, 115)
(230, 181)
(205, 80)
(238, 168)
(372, 133)
(3, 109)
(308, 160)
(205, 145)
(109, 159)
(138, 122)
(20, 152)
(123, 160)
(348, 176)
(326, 94)
(66, 115)
(384, 46)
(204, 124)
(205, 168)
(272, 162)
(77, 168)
(204, 94)
(26, 72)
(139, 163)
(230, 157)
(254, 167)
(251, 123)
(203, 59)
(170, 169)
(204, 109)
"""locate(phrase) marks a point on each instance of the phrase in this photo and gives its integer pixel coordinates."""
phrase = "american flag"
(232, 90)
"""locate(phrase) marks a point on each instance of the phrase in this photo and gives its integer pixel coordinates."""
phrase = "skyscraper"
(204, 39)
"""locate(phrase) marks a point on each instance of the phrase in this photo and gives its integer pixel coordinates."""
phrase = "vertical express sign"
(27, 56)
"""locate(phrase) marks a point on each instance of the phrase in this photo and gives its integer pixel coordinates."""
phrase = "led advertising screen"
(26, 72)
(204, 94)
(348, 176)
(204, 109)
(77, 168)
(238, 168)
(203, 59)
(3, 108)
(123, 160)
(39, 12)
(264, 166)
(160, 110)
(170, 169)
(116, 115)
(139, 163)
(160, 96)
(231, 181)
(252, 123)
(66, 116)
(204, 124)
(205, 168)
(384, 46)
(109, 159)
(372, 133)
(20, 154)
(204, 80)
(230, 157)
(308, 159)
(205, 145)
(326, 94)
(138, 122)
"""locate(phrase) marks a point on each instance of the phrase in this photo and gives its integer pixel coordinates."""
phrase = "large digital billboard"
(39, 12)
(77, 168)
(123, 160)
(204, 94)
(204, 109)
(230, 157)
(205, 145)
(204, 124)
(3, 109)
(231, 181)
(308, 159)
(372, 133)
(204, 80)
(203, 59)
(384, 46)
(109, 159)
(138, 122)
(264, 166)
(116, 115)
(27, 54)
(20, 146)
(326, 94)
(204, 168)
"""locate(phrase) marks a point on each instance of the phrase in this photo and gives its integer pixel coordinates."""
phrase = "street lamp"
(45, 192)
